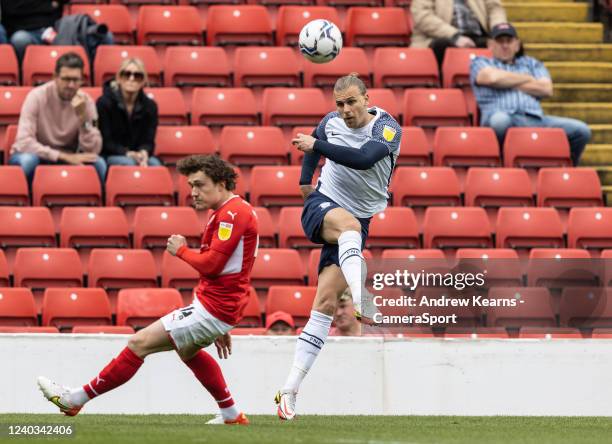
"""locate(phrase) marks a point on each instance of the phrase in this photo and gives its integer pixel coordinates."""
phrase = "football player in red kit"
(224, 262)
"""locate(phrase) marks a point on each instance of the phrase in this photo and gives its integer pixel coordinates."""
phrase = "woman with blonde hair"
(128, 118)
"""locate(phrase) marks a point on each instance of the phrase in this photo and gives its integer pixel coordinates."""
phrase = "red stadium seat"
(245, 146)
(296, 155)
(39, 62)
(170, 105)
(377, 27)
(405, 68)
(266, 66)
(223, 106)
(275, 187)
(293, 106)
(267, 229)
(313, 264)
(244, 331)
(17, 307)
(502, 266)
(251, 316)
(4, 270)
(586, 308)
(40, 268)
(175, 142)
(28, 330)
(109, 58)
(103, 329)
(456, 65)
(163, 25)
(385, 99)
(295, 300)
(9, 69)
(176, 273)
(25, 227)
(154, 225)
(11, 100)
(530, 227)
(421, 187)
(291, 233)
(196, 66)
(66, 307)
(534, 308)
(590, 228)
(324, 75)
(116, 17)
(468, 317)
(404, 253)
(140, 307)
(238, 25)
(557, 268)
(465, 147)
(491, 188)
(291, 19)
(536, 148)
(7, 135)
(450, 227)
(393, 228)
(276, 266)
(415, 149)
(606, 256)
(114, 269)
(13, 186)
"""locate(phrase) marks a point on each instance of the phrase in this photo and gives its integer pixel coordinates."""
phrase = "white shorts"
(194, 325)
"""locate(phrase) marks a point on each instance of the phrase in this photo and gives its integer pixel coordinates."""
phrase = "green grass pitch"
(179, 429)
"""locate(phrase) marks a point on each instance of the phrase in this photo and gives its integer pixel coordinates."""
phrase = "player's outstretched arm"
(361, 159)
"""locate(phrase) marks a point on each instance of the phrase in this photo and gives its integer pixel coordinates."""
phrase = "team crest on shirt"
(225, 230)
(389, 133)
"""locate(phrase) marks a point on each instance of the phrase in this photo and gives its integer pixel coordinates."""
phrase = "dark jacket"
(30, 14)
(80, 29)
(121, 133)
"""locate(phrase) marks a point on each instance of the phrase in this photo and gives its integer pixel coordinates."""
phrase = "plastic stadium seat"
(293, 106)
(114, 269)
(467, 316)
(393, 228)
(11, 100)
(561, 267)
(103, 329)
(170, 105)
(295, 300)
(324, 75)
(7, 137)
(530, 227)
(276, 266)
(456, 65)
(116, 17)
(404, 253)
(176, 273)
(502, 265)
(39, 62)
(296, 155)
(223, 106)
(13, 186)
(248, 146)
(590, 228)
(4, 270)
(17, 307)
(143, 306)
(172, 143)
(405, 68)
(586, 307)
(465, 147)
(36, 329)
(196, 66)
(251, 316)
(267, 229)
(276, 186)
(564, 188)
(66, 307)
(162, 25)
(385, 99)
(536, 147)
(246, 331)
(377, 27)
(9, 69)
(431, 108)
(291, 19)
(238, 25)
(109, 58)
(534, 308)
(415, 149)
(266, 66)
(450, 227)
(291, 233)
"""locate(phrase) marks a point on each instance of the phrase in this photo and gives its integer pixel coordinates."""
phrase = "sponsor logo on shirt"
(388, 133)
(225, 230)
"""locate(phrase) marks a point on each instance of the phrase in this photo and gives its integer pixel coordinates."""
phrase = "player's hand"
(224, 346)
(79, 104)
(175, 242)
(465, 42)
(306, 190)
(304, 142)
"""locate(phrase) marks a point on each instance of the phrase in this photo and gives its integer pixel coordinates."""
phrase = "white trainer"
(285, 399)
(58, 395)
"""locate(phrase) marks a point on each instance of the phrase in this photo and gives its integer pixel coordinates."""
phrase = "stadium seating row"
(65, 308)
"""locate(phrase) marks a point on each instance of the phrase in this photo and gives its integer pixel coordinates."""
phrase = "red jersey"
(231, 239)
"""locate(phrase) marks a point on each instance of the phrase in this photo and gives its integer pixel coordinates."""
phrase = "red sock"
(117, 372)
(208, 372)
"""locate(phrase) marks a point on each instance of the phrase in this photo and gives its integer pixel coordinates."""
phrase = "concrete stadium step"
(557, 52)
(582, 92)
(601, 133)
(547, 11)
(605, 175)
(558, 32)
(580, 72)
(597, 155)
(588, 112)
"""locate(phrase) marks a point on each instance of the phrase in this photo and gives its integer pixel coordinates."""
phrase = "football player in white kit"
(361, 146)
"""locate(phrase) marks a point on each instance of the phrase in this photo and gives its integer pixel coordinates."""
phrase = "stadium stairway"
(561, 34)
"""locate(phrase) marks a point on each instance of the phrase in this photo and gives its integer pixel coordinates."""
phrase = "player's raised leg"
(313, 337)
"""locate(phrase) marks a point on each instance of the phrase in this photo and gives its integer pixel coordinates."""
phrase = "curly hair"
(213, 166)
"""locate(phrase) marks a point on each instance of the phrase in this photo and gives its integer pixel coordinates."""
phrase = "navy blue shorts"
(316, 207)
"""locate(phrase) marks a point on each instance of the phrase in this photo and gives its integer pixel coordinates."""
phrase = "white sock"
(229, 413)
(78, 396)
(352, 263)
(309, 344)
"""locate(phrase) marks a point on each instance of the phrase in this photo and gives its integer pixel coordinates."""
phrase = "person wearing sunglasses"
(128, 118)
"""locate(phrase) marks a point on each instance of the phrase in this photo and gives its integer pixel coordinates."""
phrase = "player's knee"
(325, 302)
(351, 224)
(138, 344)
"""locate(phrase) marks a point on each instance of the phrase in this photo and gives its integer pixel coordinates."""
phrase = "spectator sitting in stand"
(280, 323)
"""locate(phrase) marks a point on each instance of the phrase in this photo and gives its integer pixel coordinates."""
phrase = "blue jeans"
(128, 161)
(578, 132)
(28, 162)
(3, 37)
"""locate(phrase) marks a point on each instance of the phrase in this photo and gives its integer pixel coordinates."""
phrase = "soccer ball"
(320, 41)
